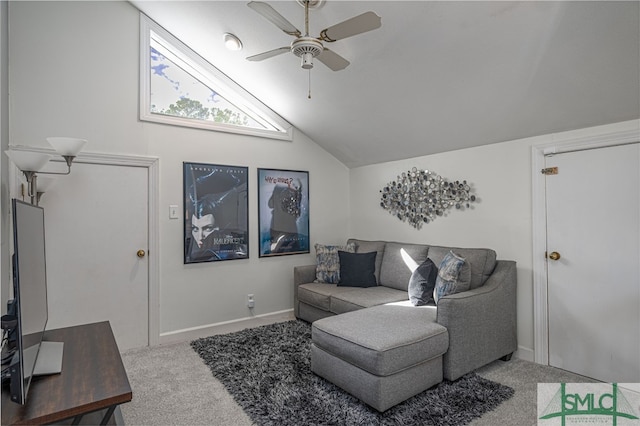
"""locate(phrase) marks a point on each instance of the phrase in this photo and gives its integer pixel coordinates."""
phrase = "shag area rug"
(267, 370)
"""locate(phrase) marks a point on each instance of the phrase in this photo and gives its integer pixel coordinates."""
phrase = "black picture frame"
(283, 212)
(216, 220)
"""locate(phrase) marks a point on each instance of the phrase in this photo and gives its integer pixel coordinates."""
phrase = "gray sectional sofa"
(375, 344)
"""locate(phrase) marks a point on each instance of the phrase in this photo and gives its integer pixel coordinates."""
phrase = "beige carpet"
(172, 386)
(523, 376)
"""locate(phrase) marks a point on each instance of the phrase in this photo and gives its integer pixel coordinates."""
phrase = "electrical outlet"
(250, 301)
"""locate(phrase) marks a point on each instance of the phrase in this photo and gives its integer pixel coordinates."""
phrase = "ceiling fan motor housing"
(306, 48)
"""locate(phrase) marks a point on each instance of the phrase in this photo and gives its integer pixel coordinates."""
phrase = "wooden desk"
(93, 378)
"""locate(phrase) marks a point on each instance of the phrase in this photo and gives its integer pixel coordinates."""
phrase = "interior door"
(593, 268)
(96, 222)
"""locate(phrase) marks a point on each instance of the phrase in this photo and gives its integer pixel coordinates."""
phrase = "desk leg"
(105, 419)
(107, 415)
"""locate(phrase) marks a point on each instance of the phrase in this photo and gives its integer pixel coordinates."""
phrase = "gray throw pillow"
(357, 269)
(448, 272)
(422, 283)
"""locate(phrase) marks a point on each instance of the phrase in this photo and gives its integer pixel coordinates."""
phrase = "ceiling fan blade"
(269, 54)
(332, 60)
(357, 25)
(272, 15)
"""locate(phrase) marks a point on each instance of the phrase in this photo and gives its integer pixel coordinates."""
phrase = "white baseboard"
(526, 354)
(225, 327)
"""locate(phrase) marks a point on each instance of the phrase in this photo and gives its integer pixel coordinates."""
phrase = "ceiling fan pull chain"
(309, 96)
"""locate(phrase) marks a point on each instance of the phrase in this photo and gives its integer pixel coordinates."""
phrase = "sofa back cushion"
(480, 261)
(399, 261)
(364, 246)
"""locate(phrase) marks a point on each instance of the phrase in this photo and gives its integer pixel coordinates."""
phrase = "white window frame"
(205, 72)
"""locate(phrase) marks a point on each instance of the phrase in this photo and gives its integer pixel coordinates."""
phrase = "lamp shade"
(67, 146)
(28, 161)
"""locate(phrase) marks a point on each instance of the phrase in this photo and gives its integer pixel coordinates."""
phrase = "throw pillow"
(422, 283)
(328, 263)
(448, 272)
(357, 269)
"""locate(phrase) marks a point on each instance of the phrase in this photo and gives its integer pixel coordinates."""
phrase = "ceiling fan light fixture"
(307, 60)
(232, 42)
(306, 48)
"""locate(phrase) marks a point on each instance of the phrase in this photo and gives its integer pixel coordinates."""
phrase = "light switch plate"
(173, 211)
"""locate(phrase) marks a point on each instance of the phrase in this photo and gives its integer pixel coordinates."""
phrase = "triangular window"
(181, 88)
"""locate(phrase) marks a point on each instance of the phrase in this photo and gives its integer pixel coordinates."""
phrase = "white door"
(96, 220)
(593, 223)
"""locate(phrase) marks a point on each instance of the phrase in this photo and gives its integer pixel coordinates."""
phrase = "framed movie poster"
(216, 222)
(283, 212)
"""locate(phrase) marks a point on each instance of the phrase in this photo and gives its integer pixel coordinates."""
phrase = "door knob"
(140, 253)
(554, 255)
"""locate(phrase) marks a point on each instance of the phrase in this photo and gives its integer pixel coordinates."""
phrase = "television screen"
(30, 294)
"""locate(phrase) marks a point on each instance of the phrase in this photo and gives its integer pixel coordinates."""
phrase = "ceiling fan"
(306, 47)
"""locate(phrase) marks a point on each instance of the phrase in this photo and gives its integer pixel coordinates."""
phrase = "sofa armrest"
(304, 274)
(301, 275)
(481, 322)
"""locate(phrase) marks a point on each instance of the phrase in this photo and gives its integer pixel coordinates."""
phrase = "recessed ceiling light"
(232, 42)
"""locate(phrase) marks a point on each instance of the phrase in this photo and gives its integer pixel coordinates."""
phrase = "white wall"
(74, 72)
(501, 219)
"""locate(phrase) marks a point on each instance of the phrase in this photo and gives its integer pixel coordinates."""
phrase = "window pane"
(180, 88)
(177, 93)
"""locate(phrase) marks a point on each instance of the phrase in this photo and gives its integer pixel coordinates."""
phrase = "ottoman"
(382, 355)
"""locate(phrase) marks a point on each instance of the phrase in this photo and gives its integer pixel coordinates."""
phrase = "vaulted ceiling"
(436, 76)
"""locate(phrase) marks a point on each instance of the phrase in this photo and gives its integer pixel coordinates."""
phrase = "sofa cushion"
(398, 263)
(422, 283)
(357, 269)
(328, 263)
(363, 246)
(359, 298)
(319, 294)
(383, 339)
(480, 261)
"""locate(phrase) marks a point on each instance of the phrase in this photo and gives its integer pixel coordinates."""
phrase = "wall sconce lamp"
(31, 163)
(44, 184)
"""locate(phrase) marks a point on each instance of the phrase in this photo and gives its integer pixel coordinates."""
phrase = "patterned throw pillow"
(448, 272)
(328, 262)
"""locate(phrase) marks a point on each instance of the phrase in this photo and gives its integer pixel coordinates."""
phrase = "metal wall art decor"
(215, 213)
(420, 196)
(283, 212)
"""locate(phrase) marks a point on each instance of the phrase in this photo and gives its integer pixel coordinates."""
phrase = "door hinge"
(550, 171)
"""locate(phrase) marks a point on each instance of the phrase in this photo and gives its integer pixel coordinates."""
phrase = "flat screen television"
(33, 356)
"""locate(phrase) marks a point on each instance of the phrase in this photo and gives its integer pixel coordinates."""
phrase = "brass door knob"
(140, 253)
(554, 255)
